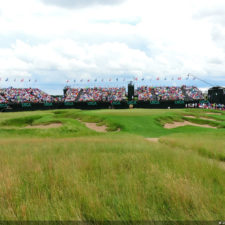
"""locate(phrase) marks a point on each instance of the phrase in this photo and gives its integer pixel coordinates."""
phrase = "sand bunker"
(193, 117)
(95, 127)
(156, 140)
(45, 126)
(185, 123)
(214, 114)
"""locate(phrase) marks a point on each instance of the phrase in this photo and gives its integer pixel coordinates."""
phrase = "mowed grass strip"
(107, 178)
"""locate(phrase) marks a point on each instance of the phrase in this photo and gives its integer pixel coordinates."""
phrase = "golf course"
(112, 165)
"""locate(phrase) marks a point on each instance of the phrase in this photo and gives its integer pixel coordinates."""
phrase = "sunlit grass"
(74, 173)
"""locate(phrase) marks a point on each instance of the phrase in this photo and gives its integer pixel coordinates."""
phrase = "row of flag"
(124, 79)
(103, 80)
(17, 80)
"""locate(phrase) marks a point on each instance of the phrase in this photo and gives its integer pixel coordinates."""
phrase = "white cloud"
(79, 4)
(159, 38)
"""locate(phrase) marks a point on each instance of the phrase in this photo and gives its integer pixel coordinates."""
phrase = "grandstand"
(96, 94)
(99, 97)
(24, 95)
(143, 93)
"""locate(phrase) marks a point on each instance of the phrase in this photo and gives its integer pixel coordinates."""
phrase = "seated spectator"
(169, 93)
(102, 94)
(25, 95)
(145, 93)
(71, 94)
(3, 100)
(193, 93)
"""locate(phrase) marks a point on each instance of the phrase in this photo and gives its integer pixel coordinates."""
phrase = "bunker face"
(47, 126)
(185, 123)
(93, 126)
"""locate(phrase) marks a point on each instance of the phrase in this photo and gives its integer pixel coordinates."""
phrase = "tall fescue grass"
(79, 174)
(210, 145)
(123, 178)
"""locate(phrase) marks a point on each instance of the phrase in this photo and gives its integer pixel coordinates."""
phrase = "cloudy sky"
(58, 40)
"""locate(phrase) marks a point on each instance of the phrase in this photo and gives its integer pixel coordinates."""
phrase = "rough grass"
(21, 121)
(210, 145)
(73, 173)
(106, 179)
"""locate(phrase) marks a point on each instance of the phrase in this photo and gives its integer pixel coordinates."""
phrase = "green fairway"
(74, 173)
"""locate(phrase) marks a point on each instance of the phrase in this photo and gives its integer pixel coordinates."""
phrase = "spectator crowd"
(193, 92)
(95, 94)
(24, 95)
(71, 94)
(168, 93)
(144, 93)
(208, 105)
